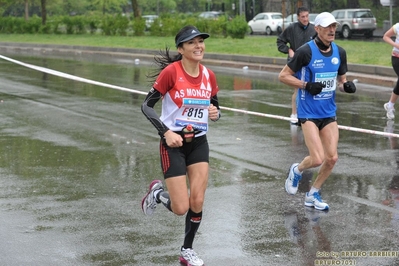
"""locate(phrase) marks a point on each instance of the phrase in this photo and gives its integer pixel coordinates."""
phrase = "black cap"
(189, 33)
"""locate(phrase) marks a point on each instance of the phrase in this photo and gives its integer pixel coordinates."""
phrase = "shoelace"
(190, 255)
(152, 204)
(317, 196)
(296, 179)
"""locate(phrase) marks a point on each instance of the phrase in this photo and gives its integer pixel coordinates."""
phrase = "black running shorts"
(174, 161)
(320, 123)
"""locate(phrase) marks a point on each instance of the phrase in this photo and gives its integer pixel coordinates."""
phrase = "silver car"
(355, 21)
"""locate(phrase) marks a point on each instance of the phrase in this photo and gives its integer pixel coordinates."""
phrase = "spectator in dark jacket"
(293, 37)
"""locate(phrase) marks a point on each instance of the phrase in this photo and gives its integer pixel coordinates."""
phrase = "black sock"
(193, 221)
(165, 199)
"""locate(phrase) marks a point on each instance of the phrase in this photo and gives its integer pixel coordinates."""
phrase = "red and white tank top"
(185, 99)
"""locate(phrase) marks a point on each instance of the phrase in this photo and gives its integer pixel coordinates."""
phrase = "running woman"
(189, 99)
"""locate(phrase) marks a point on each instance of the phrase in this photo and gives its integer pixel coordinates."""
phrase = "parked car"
(266, 23)
(211, 15)
(355, 21)
(149, 19)
(294, 18)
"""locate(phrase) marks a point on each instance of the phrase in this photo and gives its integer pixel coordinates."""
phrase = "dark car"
(294, 18)
(211, 15)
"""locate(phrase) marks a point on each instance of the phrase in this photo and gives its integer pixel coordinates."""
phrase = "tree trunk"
(26, 9)
(136, 11)
(44, 12)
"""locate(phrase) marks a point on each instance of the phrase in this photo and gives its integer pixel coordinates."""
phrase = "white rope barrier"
(68, 76)
(72, 77)
(362, 130)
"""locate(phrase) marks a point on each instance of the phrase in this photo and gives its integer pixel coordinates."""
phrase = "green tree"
(109, 6)
(156, 6)
(15, 6)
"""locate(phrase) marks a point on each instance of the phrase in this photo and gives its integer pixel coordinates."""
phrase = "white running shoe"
(188, 257)
(294, 119)
(315, 201)
(149, 202)
(292, 181)
(390, 111)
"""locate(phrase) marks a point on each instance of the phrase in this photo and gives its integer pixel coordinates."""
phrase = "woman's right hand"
(173, 139)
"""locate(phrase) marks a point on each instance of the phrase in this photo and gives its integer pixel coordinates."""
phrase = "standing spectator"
(393, 32)
(293, 37)
(189, 97)
(315, 69)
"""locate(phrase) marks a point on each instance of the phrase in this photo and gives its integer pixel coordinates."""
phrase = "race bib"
(194, 112)
(329, 79)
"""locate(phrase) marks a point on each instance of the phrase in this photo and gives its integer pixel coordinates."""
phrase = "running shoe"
(390, 111)
(149, 202)
(315, 201)
(292, 182)
(294, 119)
(188, 257)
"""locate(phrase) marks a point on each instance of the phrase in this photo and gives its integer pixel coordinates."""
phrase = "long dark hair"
(162, 60)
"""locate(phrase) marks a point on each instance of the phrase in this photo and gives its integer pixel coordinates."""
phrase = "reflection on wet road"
(75, 160)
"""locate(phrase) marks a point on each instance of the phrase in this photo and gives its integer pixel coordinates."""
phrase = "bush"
(122, 25)
(167, 25)
(156, 28)
(45, 29)
(18, 25)
(218, 27)
(237, 28)
(114, 25)
(79, 24)
(204, 25)
(33, 25)
(93, 23)
(170, 26)
(11, 25)
(54, 23)
(138, 26)
(67, 21)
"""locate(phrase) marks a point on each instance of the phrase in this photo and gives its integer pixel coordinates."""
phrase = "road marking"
(369, 203)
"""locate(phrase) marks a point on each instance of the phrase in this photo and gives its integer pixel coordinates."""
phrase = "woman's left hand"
(213, 112)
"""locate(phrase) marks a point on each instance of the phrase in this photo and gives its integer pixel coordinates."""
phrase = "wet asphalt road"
(76, 159)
